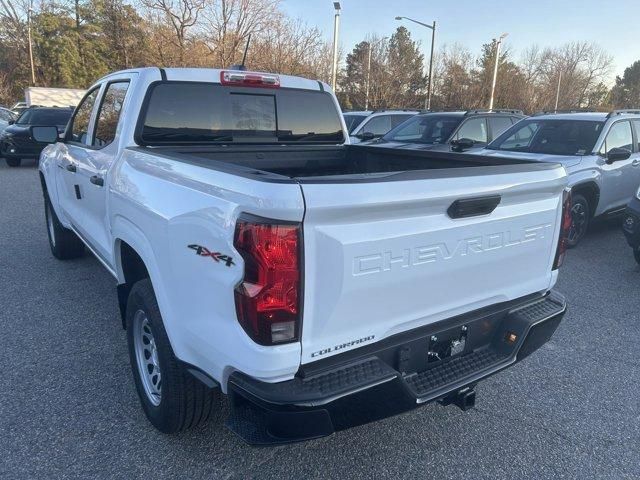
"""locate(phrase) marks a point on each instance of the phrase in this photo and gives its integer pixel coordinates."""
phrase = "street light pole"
(427, 101)
(336, 26)
(558, 90)
(429, 88)
(366, 92)
(495, 69)
(29, 13)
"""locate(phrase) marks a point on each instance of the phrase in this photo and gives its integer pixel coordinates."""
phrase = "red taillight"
(565, 227)
(249, 79)
(268, 299)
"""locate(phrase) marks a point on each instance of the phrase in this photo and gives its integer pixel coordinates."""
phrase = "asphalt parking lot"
(68, 407)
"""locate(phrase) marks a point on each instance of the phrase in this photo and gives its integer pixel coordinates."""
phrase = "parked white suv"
(601, 152)
(317, 284)
(368, 125)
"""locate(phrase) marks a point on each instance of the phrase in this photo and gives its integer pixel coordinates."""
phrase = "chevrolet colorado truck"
(319, 285)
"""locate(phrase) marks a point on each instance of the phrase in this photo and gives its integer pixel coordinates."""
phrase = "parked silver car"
(600, 151)
(368, 125)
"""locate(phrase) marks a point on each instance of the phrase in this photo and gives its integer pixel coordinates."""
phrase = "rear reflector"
(565, 227)
(249, 79)
(268, 299)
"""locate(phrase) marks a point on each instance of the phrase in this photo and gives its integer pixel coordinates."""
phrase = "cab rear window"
(203, 113)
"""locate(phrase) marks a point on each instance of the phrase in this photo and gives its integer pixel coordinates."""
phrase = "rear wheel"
(63, 242)
(580, 218)
(13, 162)
(172, 399)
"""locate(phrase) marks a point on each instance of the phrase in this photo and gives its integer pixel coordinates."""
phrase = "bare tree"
(181, 16)
(453, 88)
(288, 46)
(228, 23)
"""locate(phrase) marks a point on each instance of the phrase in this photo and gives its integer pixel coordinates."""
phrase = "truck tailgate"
(384, 256)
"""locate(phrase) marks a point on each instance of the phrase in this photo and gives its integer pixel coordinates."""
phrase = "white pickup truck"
(318, 284)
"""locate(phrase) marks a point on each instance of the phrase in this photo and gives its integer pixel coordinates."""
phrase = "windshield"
(427, 129)
(199, 113)
(551, 137)
(353, 121)
(53, 117)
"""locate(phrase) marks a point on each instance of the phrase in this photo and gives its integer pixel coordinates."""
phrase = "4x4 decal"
(217, 256)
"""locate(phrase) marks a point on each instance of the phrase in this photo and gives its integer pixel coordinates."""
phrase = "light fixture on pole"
(336, 27)
(427, 102)
(495, 68)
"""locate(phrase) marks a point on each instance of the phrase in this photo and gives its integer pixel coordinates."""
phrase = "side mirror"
(617, 154)
(11, 122)
(462, 144)
(365, 136)
(44, 134)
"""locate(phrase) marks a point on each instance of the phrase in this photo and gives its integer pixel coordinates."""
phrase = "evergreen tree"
(405, 67)
(356, 75)
(626, 91)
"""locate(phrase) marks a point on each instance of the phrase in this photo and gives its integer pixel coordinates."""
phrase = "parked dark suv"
(16, 142)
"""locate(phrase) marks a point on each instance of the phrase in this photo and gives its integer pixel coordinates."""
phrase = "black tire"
(183, 401)
(64, 244)
(13, 162)
(636, 254)
(580, 219)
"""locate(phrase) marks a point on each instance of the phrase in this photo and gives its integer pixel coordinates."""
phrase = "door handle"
(471, 207)
(97, 180)
(636, 162)
(71, 167)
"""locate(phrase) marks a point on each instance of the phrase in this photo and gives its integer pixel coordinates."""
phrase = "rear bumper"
(391, 376)
(631, 223)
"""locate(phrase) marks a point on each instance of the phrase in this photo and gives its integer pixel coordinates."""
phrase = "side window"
(398, 119)
(619, 136)
(636, 124)
(521, 138)
(498, 125)
(378, 125)
(474, 129)
(80, 122)
(5, 116)
(109, 114)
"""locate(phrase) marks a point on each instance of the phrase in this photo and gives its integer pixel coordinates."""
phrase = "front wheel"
(13, 162)
(580, 219)
(172, 399)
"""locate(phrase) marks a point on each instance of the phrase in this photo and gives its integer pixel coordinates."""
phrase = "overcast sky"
(613, 24)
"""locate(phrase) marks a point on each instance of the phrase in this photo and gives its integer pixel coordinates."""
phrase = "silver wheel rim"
(578, 222)
(52, 234)
(147, 357)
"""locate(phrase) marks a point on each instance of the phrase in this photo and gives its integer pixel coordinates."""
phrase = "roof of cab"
(213, 75)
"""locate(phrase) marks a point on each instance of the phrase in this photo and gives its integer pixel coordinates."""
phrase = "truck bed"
(334, 163)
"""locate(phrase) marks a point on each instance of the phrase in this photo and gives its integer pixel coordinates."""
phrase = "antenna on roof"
(241, 67)
(246, 49)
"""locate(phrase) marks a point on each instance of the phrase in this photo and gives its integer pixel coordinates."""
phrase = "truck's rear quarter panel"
(162, 206)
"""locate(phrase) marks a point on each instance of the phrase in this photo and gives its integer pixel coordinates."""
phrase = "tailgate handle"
(472, 207)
